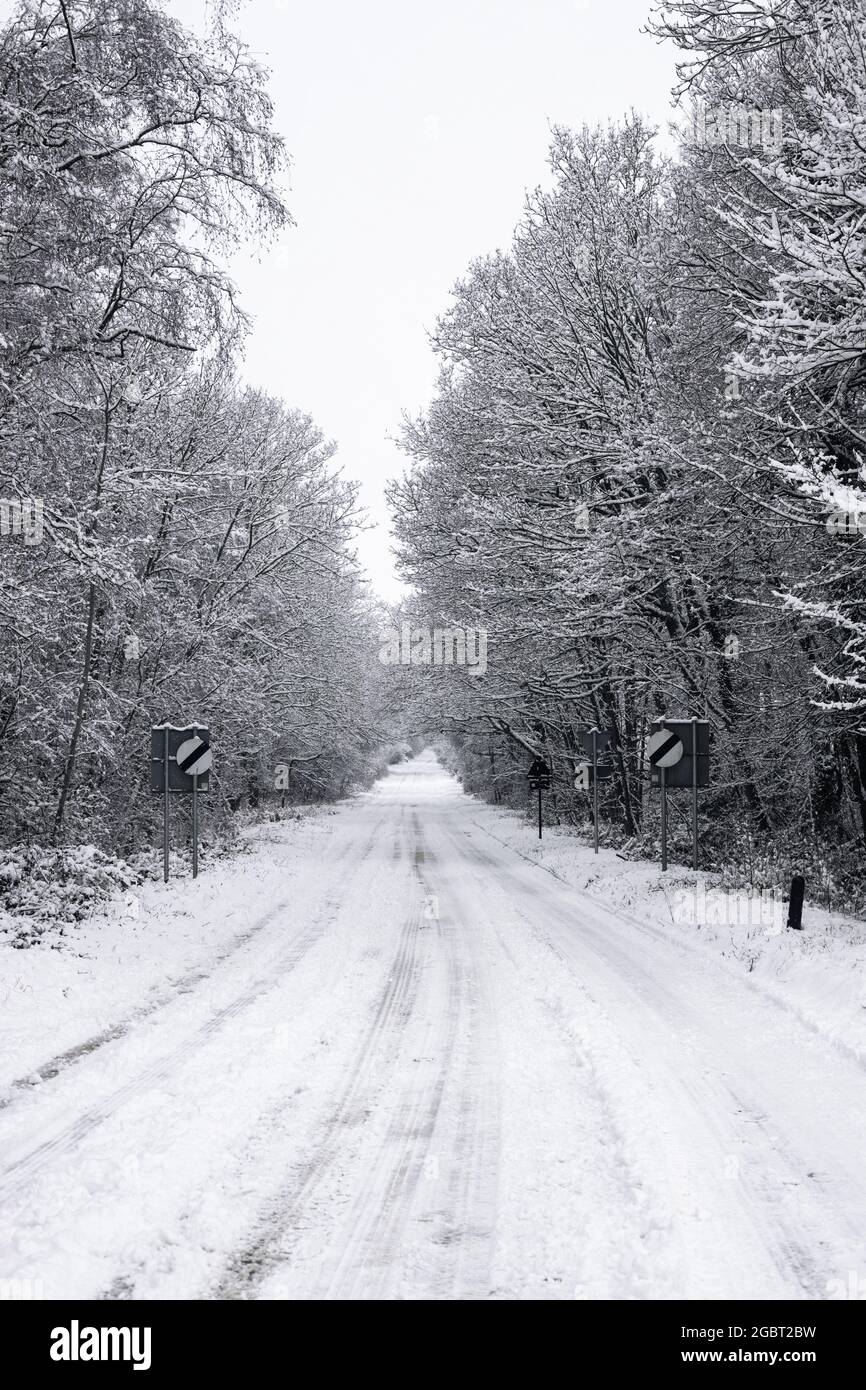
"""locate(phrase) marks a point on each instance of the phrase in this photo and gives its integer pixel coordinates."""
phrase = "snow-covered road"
(425, 1067)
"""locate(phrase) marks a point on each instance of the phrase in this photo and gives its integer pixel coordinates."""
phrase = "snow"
(819, 973)
(402, 1051)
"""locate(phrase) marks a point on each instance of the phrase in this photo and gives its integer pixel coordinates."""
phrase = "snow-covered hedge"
(42, 888)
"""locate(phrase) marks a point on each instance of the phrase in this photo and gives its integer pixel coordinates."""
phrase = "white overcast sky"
(414, 131)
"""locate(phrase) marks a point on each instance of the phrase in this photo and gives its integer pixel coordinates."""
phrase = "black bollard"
(795, 906)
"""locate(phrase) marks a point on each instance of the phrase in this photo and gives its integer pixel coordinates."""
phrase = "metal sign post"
(195, 825)
(194, 757)
(165, 823)
(665, 750)
(595, 789)
(594, 742)
(539, 810)
(694, 792)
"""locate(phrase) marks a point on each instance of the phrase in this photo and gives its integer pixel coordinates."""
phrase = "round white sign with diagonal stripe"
(664, 749)
(194, 756)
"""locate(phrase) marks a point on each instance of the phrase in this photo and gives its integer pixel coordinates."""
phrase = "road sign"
(539, 781)
(664, 749)
(695, 762)
(179, 780)
(539, 775)
(691, 768)
(602, 741)
(194, 756)
(180, 761)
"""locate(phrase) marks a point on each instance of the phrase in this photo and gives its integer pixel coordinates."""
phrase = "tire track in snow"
(276, 1233)
(465, 1222)
(581, 942)
(15, 1176)
(440, 1115)
(365, 1266)
(362, 1247)
(51, 1069)
(184, 984)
